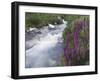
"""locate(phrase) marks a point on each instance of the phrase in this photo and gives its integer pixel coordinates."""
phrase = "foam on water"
(47, 48)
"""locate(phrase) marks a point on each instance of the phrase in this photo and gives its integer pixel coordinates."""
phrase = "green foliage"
(72, 19)
(41, 19)
(54, 20)
(71, 43)
(82, 52)
(63, 60)
(81, 34)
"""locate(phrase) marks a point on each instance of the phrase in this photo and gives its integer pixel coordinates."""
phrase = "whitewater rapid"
(45, 47)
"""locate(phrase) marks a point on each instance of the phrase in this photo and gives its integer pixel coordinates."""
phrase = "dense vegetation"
(76, 41)
(41, 19)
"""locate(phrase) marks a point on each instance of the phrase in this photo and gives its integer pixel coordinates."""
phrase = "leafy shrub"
(79, 53)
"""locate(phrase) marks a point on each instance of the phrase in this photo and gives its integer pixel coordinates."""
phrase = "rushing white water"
(45, 48)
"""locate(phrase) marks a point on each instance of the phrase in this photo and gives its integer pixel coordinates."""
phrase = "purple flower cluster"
(71, 53)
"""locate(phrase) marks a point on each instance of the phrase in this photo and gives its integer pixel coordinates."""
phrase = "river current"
(44, 47)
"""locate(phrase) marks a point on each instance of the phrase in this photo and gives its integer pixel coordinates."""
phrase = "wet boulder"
(51, 27)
